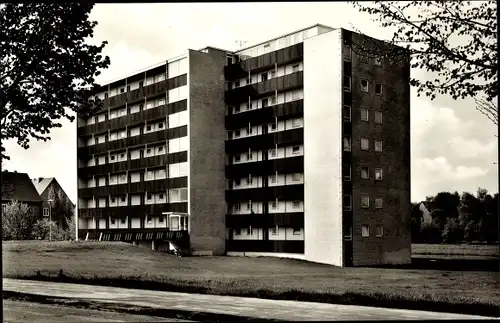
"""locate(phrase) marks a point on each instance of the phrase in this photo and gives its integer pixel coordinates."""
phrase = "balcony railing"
(282, 192)
(133, 188)
(266, 141)
(157, 136)
(129, 235)
(262, 89)
(279, 246)
(266, 167)
(268, 220)
(265, 115)
(264, 62)
(134, 210)
(132, 120)
(131, 165)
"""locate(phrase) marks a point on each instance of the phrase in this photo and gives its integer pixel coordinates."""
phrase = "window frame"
(363, 198)
(367, 226)
(367, 169)
(379, 113)
(347, 118)
(362, 88)
(367, 140)
(381, 171)
(347, 79)
(381, 146)
(381, 200)
(377, 227)
(375, 89)
(363, 114)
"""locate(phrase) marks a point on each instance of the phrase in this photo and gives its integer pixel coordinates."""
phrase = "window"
(237, 83)
(295, 150)
(273, 126)
(113, 200)
(295, 68)
(112, 157)
(272, 100)
(378, 117)
(365, 230)
(249, 231)
(365, 201)
(160, 149)
(160, 125)
(296, 231)
(273, 179)
(149, 196)
(122, 221)
(348, 234)
(272, 74)
(273, 205)
(237, 182)
(161, 196)
(365, 115)
(237, 133)
(113, 221)
(296, 204)
(149, 218)
(365, 173)
(295, 95)
(148, 151)
(379, 231)
(365, 144)
(295, 123)
(123, 178)
(141, 83)
(237, 207)
(295, 177)
(237, 231)
(347, 113)
(123, 198)
(346, 172)
(347, 83)
(378, 174)
(377, 61)
(347, 202)
(45, 211)
(237, 158)
(122, 155)
(161, 219)
(378, 89)
(263, 77)
(364, 86)
(274, 230)
(148, 128)
(347, 144)
(249, 156)
(378, 145)
(272, 152)
(128, 88)
(379, 202)
(122, 90)
(106, 95)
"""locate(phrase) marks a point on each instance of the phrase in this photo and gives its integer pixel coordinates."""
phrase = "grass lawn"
(115, 263)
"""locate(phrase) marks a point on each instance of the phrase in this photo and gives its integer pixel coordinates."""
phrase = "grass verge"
(123, 265)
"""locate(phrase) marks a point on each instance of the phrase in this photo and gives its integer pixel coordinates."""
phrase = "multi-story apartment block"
(295, 147)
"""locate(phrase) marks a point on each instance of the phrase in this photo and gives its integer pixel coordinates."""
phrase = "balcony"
(132, 165)
(152, 137)
(279, 246)
(265, 115)
(263, 142)
(259, 220)
(134, 210)
(133, 188)
(129, 235)
(138, 95)
(283, 192)
(266, 167)
(264, 62)
(134, 119)
(262, 89)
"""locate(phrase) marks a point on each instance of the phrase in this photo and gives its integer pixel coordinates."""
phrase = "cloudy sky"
(453, 146)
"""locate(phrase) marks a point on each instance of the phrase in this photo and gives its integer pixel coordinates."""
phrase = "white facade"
(323, 160)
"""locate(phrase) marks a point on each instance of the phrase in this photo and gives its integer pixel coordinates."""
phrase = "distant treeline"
(454, 218)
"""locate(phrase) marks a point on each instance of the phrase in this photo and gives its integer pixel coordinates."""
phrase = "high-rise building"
(296, 147)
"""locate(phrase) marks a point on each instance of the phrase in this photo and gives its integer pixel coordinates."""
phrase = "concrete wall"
(395, 245)
(322, 149)
(206, 154)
